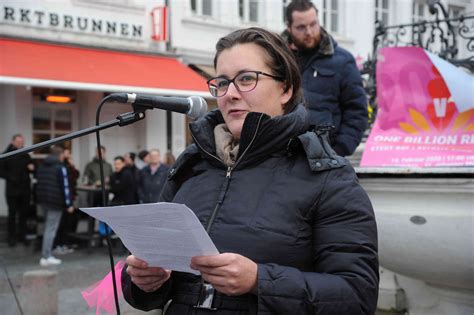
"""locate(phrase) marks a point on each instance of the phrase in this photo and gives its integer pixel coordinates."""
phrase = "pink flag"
(101, 294)
(419, 123)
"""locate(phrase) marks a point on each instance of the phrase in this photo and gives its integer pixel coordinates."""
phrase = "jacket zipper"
(226, 183)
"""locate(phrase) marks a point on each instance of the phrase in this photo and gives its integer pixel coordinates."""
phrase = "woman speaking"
(295, 230)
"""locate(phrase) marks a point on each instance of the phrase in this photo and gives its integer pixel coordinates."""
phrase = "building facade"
(150, 46)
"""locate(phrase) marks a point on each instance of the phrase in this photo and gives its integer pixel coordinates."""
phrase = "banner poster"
(426, 112)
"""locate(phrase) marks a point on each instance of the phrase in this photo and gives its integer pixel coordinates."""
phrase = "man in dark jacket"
(54, 196)
(122, 184)
(332, 83)
(152, 178)
(16, 172)
(69, 221)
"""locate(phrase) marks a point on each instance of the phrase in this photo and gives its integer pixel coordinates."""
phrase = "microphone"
(194, 106)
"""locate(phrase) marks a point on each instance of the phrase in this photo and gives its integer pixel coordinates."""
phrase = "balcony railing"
(441, 35)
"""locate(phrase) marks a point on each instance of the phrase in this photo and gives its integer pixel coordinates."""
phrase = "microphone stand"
(121, 120)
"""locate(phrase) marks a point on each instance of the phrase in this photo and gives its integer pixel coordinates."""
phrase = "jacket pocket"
(321, 80)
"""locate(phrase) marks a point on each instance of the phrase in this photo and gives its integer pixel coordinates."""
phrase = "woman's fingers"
(148, 279)
(131, 260)
(152, 271)
(151, 283)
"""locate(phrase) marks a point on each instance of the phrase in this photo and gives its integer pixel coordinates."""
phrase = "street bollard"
(39, 292)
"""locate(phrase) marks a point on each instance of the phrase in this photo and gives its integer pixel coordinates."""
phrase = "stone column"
(39, 292)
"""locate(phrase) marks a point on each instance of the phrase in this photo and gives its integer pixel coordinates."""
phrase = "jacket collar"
(261, 134)
(327, 44)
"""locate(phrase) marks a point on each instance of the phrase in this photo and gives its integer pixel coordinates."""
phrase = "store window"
(330, 15)
(248, 10)
(52, 117)
(201, 7)
(381, 11)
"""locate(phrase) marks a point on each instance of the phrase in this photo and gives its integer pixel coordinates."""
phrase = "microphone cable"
(104, 203)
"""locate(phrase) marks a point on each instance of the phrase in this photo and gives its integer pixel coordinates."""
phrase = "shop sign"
(71, 19)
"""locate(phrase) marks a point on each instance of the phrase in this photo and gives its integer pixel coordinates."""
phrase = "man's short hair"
(57, 150)
(119, 158)
(17, 135)
(132, 156)
(298, 5)
(142, 154)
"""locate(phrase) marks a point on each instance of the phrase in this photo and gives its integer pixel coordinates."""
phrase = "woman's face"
(268, 96)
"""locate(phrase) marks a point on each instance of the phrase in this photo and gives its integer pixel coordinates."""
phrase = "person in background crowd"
(16, 172)
(143, 159)
(91, 175)
(54, 197)
(129, 159)
(332, 83)
(169, 159)
(295, 231)
(130, 166)
(69, 220)
(122, 184)
(152, 178)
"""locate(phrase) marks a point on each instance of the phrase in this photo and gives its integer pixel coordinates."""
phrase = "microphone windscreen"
(197, 108)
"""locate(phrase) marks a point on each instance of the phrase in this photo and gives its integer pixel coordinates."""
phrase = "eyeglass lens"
(244, 82)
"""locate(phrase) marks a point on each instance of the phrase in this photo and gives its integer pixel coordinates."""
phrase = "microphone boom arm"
(121, 120)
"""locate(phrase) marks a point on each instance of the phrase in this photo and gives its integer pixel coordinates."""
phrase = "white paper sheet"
(163, 234)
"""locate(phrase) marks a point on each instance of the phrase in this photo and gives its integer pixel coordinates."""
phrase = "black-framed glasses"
(244, 82)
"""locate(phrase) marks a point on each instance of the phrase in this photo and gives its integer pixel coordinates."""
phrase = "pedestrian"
(130, 166)
(143, 159)
(54, 197)
(92, 171)
(91, 175)
(16, 172)
(69, 221)
(169, 159)
(152, 178)
(122, 184)
(332, 84)
(295, 231)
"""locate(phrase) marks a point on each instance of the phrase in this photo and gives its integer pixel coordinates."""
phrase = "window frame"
(327, 13)
(52, 132)
(199, 8)
(380, 10)
(245, 12)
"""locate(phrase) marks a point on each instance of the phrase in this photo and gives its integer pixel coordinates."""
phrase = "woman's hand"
(229, 273)
(148, 279)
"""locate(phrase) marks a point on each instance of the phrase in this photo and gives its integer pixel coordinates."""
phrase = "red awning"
(51, 65)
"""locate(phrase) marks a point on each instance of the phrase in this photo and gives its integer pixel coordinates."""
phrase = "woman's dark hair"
(281, 59)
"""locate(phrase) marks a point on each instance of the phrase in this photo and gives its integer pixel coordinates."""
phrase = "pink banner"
(418, 122)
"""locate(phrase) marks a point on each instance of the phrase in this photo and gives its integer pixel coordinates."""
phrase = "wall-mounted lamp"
(58, 99)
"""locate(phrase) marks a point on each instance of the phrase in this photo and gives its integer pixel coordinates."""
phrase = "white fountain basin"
(426, 232)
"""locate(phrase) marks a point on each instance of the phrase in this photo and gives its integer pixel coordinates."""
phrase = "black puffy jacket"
(150, 185)
(52, 188)
(16, 173)
(290, 205)
(334, 94)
